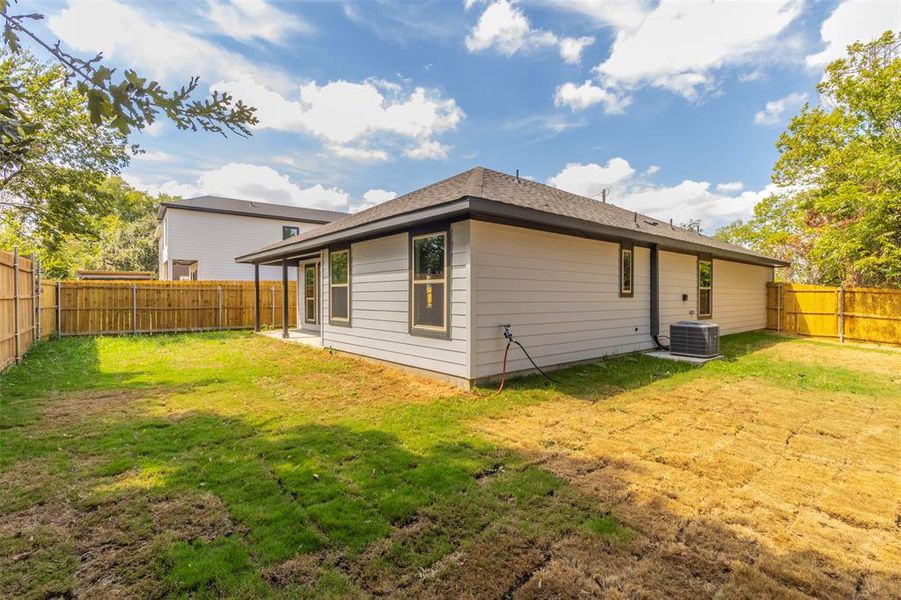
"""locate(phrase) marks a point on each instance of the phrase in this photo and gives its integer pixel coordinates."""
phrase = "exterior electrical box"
(700, 339)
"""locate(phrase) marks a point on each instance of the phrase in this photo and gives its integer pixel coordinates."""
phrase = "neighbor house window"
(626, 271)
(429, 283)
(705, 287)
(339, 287)
(288, 231)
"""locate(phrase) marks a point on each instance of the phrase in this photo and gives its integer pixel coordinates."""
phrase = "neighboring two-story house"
(199, 238)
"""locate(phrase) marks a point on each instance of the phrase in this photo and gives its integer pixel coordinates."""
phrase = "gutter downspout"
(655, 297)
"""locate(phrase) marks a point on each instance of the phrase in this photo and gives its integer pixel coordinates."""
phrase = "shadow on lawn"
(201, 504)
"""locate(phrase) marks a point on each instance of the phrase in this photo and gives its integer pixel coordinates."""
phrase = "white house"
(427, 280)
(199, 237)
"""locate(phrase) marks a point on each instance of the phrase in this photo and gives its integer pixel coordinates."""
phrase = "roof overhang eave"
(385, 226)
(479, 208)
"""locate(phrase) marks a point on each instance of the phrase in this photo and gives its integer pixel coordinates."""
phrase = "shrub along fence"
(859, 314)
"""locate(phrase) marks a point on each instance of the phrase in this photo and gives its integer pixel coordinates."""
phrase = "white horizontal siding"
(678, 277)
(560, 294)
(739, 296)
(214, 240)
(380, 304)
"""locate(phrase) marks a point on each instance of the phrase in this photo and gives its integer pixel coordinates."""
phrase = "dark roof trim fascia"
(642, 236)
(499, 212)
(164, 205)
(384, 226)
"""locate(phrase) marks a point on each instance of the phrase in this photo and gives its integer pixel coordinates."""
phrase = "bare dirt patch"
(104, 550)
(735, 487)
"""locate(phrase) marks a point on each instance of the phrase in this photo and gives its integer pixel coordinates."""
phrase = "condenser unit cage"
(700, 339)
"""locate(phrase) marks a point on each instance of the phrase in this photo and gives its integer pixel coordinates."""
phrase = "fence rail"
(34, 309)
(859, 314)
(107, 307)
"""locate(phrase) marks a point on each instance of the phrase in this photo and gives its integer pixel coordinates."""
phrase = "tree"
(53, 189)
(121, 238)
(839, 217)
(120, 103)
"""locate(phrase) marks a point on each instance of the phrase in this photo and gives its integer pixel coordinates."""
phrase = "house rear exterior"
(199, 237)
(428, 279)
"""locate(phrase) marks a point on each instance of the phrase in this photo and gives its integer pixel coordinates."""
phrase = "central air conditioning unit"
(700, 339)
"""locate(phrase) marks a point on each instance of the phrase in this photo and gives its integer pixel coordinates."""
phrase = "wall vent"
(700, 339)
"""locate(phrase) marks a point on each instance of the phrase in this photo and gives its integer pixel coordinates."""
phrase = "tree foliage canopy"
(838, 218)
(120, 237)
(53, 189)
(119, 103)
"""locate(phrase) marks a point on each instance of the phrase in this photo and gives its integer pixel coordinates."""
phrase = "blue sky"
(674, 107)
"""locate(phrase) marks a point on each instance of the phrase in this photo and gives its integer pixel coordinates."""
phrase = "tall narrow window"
(339, 287)
(705, 287)
(626, 271)
(288, 231)
(429, 283)
(311, 293)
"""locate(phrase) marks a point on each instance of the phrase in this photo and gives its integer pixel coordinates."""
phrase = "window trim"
(316, 293)
(704, 258)
(292, 227)
(332, 320)
(424, 330)
(630, 248)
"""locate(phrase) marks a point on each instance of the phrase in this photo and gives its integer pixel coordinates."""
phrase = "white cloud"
(427, 149)
(621, 14)
(358, 153)
(682, 202)
(167, 52)
(580, 97)
(653, 169)
(571, 48)
(775, 109)
(372, 198)
(349, 116)
(247, 20)
(505, 28)
(755, 75)
(346, 116)
(679, 45)
(854, 21)
(590, 179)
(730, 187)
(252, 182)
(153, 156)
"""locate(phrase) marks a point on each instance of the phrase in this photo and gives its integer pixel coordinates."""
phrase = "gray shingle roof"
(485, 184)
(235, 206)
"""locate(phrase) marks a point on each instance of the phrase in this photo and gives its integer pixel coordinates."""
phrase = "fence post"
(37, 297)
(59, 309)
(219, 294)
(16, 299)
(841, 313)
(272, 306)
(134, 308)
(778, 307)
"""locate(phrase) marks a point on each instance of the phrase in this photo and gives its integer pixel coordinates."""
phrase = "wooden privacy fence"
(19, 290)
(115, 307)
(860, 314)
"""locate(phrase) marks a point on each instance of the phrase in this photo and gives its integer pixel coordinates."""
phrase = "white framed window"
(428, 283)
(339, 287)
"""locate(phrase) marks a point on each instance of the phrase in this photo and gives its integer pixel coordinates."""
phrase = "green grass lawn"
(228, 464)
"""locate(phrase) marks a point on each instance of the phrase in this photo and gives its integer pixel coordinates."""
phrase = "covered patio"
(307, 306)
